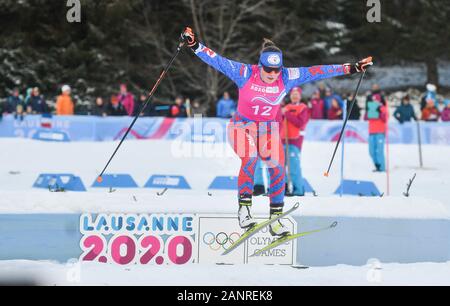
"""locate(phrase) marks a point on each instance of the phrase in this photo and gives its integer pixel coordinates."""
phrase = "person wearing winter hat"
(254, 130)
(445, 116)
(405, 112)
(64, 103)
(430, 95)
(295, 119)
(430, 113)
(377, 116)
(317, 106)
(126, 99)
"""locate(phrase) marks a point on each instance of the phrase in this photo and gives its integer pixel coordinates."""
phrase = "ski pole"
(142, 108)
(419, 141)
(327, 173)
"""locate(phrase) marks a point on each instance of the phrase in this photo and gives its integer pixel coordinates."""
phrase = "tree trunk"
(432, 71)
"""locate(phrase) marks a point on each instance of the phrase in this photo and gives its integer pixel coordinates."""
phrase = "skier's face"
(269, 77)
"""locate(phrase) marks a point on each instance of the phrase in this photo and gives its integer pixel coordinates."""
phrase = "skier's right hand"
(188, 37)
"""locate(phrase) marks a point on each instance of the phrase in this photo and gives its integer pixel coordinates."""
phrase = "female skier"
(253, 131)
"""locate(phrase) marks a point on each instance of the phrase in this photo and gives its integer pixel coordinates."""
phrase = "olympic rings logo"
(220, 240)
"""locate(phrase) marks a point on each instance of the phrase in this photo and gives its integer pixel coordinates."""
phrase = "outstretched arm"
(239, 73)
(301, 75)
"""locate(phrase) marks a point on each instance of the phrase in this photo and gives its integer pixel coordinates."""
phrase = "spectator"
(335, 111)
(322, 88)
(376, 95)
(430, 95)
(445, 116)
(405, 112)
(296, 117)
(28, 101)
(226, 107)
(15, 105)
(430, 113)
(329, 97)
(317, 106)
(178, 109)
(64, 103)
(126, 99)
(38, 104)
(196, 107)
(2, 110)
(377, 116)
(115, 108)
(100, 108)
(356, 111)
(138, 105)
(441, 106)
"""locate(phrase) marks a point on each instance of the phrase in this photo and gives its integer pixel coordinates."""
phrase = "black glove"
(188, 37)
(362, 65)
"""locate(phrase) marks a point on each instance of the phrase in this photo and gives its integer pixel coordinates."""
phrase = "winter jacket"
(297, 117)
(329, 101)
(116, 109)
(445, 116)
(334, 113)
(12, 104)
(127, 101)
(430, 114)
(178, 111)
(377, 125)
(225, 108)
(404, 113)
(429, 95)
(64, 105)
(317, 109)
(356, 111)
(99, 110)
(38, 105)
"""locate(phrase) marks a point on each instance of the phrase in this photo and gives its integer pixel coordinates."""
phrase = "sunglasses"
(271, 69)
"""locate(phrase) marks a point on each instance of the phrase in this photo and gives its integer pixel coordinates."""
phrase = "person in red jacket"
(335, 111)
(317, 106)
(445, 116)
(377, 116)
(126, 99)
(430, 112)
(295, 119)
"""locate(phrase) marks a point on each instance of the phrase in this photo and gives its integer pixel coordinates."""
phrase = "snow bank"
(372, 274)
(138, 201)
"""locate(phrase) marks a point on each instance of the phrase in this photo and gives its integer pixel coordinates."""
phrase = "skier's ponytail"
(269, 46)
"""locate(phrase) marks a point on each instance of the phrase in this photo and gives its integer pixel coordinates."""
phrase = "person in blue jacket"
(405, 112)
(328, 100)
(226, 107)
(15, 105)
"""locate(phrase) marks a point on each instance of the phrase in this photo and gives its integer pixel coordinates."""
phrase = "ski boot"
(245, 218)
(278, 229)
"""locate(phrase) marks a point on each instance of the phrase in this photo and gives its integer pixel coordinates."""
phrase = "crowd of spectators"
(323, 104)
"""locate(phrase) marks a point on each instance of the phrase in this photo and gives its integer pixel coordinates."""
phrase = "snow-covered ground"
(372, 274)
(23, 160)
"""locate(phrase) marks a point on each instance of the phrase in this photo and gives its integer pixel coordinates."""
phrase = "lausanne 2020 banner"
(211, 130)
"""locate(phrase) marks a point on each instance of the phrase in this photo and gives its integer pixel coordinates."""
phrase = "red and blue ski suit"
(254, 129)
